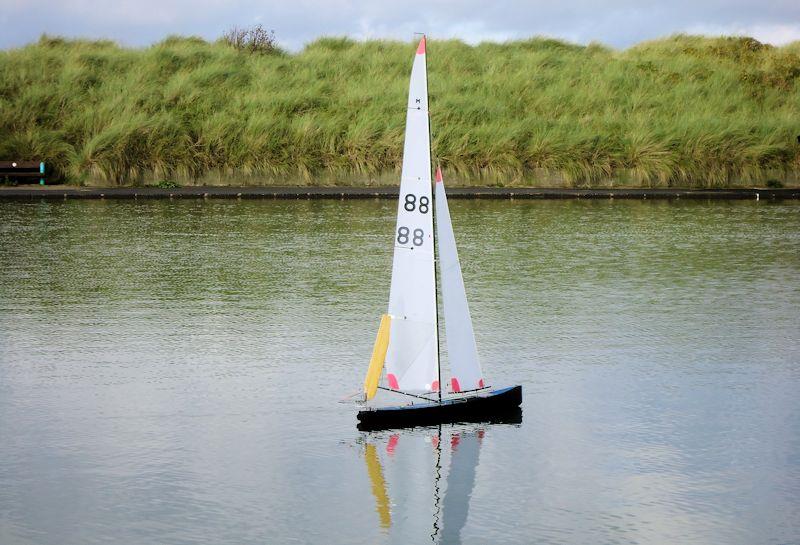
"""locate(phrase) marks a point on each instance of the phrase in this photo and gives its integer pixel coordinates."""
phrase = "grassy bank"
(682, 111)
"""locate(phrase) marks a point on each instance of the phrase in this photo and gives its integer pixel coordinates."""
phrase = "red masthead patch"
(421, 48)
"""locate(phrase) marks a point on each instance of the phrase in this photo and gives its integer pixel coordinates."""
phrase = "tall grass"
(686, 110)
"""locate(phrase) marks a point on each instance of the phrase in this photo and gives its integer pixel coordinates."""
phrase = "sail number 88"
(404, 233)
(411, 203)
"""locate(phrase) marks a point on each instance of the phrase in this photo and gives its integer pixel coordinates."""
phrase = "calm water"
(170, 371)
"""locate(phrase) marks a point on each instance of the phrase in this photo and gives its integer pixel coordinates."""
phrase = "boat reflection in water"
(424, 473)
(378, 482)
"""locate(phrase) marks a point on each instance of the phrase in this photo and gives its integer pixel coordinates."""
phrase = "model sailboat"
(407, 344)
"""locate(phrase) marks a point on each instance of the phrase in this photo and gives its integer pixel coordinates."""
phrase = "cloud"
(619, 23)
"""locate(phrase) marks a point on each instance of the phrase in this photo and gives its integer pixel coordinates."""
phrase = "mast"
(436, 291)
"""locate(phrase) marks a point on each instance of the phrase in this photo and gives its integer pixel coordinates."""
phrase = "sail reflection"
(378, 485)
(464, 451)
(398, 467)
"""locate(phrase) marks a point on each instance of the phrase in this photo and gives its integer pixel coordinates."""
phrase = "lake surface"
(170, 373)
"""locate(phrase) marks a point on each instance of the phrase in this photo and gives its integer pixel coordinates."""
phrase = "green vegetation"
(164, 184)
(682, 111)
(254, 40)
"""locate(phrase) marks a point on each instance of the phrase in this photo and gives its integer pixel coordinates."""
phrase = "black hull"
(496, 406)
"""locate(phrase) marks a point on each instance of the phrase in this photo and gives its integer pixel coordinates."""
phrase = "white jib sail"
(412, 360)
(461, 349)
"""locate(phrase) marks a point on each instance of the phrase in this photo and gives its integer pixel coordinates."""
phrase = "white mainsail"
(412, 359)
(461, 349)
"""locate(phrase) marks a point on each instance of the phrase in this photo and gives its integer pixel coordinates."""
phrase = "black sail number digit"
(402, 235)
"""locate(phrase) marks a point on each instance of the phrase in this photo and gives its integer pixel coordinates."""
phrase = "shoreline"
(386, 192)
(532, 111)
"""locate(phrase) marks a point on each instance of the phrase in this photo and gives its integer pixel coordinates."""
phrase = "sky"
(618, 23)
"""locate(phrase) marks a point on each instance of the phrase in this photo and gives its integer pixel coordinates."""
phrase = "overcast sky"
(619, 23)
